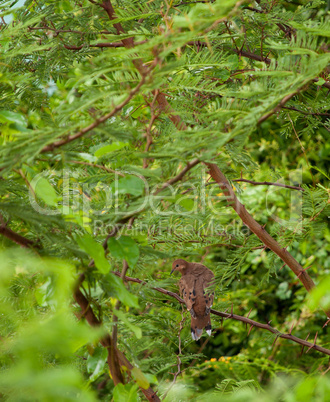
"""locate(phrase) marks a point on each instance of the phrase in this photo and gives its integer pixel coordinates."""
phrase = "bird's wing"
(187, 290)
(208, 278)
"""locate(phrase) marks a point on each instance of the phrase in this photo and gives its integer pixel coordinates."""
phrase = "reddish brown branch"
(97, 166)
(179, 176)
(256, 57)
(100, 45)
(268, 183)
(15, 237)
(306, 113)
(280, 105)
(236, 317)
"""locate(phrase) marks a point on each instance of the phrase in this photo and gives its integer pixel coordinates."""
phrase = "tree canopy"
(134, 133)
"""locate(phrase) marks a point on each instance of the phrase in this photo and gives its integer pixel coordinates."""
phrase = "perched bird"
(195, 280)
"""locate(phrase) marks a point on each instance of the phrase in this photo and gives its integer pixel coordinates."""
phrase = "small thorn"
(282, 267)
(326, 323)
(232, 309)
(250, 330)
(291, 328)
(249, 312)
(248, 316)
(302, 349)
(304, 270)
(268, 323)
(313, 343)
(309, 348)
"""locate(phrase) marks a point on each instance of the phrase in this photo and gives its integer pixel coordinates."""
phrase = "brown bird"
(193, 283)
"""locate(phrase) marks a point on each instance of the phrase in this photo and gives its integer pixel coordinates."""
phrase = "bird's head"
(180, 265)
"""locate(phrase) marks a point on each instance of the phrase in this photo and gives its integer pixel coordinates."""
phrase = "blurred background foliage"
(63, 201)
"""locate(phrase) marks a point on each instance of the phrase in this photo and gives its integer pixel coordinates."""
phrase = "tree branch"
(15, 237)
(306, 113)
(97, 166)
(268, 183)
(280, 105)
(236, 317)
(179, 176)
(256, 57)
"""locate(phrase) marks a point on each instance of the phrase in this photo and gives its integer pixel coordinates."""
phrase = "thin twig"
(183, 319)
(302, 148)
(278, 107)
(15, 237)
(267, 183)
(179, 176)
(21, 173)
(305, 113)
(97, 166)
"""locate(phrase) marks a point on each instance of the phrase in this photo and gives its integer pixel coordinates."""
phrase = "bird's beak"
(172, 271)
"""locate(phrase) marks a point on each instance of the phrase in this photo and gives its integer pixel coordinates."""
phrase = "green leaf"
(128, 185)
(320, 295)
(95, 250)
(321, 171)
(125, 393)
(320, 82)
(115, 287)
(96, 363)
(46, 192)
(134, 328)
(124, 248)
(6, 116)
(140, 378)
(115, 146)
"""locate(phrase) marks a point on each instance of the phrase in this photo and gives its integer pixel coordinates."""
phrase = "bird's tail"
(198, 324)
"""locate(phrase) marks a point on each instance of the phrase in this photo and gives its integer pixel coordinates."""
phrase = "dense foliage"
(112, 116)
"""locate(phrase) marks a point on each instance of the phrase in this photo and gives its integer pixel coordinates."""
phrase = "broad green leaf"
(320, 295)
(115, 287)
(12, 117)
(320, 82)
(140, 378)
(46, 192)
(134, 328)
(95, 250)
(96, 363)
(115, 146)
(125, 393)
(128, 185)
(124, 248)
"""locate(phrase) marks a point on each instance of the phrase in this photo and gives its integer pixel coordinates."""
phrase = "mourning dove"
(195, 280)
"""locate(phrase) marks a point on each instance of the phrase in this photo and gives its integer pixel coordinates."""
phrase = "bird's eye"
(177, 266)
